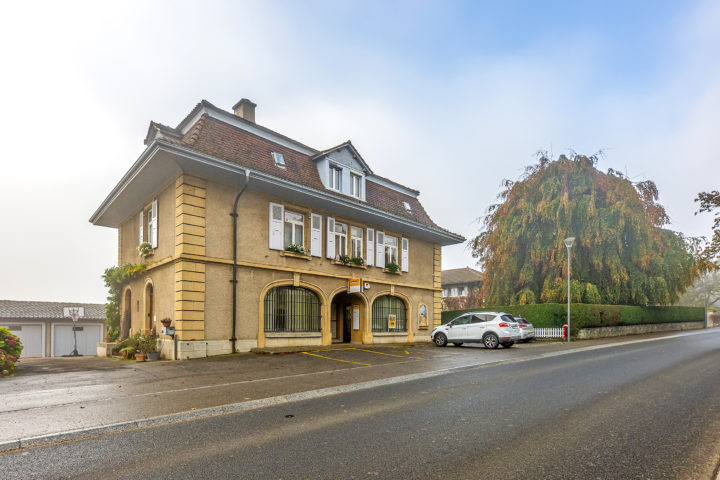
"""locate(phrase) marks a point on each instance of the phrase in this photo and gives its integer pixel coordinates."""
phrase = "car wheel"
(491, 341)
(457, 344)
(508, 344)
(440, 340)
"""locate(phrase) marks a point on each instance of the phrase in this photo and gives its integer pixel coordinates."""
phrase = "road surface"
(639, 411)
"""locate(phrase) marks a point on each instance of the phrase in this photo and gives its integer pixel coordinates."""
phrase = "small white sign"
(356, 317)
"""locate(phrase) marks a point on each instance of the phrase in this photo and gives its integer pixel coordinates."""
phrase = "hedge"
(543, 315)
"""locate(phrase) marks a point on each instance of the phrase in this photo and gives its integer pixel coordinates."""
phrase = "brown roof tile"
(460, 275)
(213, 137)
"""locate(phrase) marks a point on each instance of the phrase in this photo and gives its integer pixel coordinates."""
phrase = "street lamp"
(569, 243)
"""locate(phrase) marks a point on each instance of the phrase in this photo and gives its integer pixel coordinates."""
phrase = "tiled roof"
(213, 137)
(457, 276)
(48, 310)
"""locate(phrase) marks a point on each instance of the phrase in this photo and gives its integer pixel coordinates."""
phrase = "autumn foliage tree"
(622, 255)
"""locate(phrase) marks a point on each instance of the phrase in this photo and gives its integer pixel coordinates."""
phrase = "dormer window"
(355, 185)
(279, 159)
(335, 179)
(407, 207)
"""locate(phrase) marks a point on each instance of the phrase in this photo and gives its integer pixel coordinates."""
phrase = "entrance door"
(347, 323)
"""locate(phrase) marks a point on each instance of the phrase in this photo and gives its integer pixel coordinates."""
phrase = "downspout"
(234, 281)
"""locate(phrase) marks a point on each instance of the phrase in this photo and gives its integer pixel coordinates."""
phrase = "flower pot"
(140, 357)
(153, 356)
(108, 340)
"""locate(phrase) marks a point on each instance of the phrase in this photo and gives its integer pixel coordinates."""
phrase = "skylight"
(279, 159)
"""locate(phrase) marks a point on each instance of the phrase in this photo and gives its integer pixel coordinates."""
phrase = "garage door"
(87, 338)
(31, 338)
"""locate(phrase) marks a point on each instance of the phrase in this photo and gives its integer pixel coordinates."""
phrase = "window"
(391, 249)
(294, 229)
(454, 292)
(444, 292)
(340, 239)
(148, 225)
(279, 159)
(387, 310)
(355, 185)
(292, 309)
(356, 242)
(407, 207)
(335, 180)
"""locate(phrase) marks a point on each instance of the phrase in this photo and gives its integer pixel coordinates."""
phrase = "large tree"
(710, 202)
(705, 292)
(622, 255)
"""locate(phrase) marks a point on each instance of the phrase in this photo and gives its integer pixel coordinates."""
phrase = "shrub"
(10, 349)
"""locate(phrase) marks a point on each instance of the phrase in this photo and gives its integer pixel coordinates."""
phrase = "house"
(46, 330)
(458, 286)
(253, 239)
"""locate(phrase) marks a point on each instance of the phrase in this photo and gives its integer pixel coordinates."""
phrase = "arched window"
(386, 311)
(292, 309)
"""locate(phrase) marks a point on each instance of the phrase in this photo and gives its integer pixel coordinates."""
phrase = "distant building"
(461, 288)
(46, 331)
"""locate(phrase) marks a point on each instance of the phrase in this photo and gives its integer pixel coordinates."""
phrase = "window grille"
(292, 309)
(382, 308)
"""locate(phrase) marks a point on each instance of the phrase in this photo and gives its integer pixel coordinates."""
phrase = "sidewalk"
(55, 395)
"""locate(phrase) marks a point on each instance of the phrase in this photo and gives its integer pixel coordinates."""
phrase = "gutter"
(234, 281)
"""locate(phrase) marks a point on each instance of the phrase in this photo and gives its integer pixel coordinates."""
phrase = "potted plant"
(145, 343)
(295, 248)
(128, 347)
(344, 259)
(145, 248)
(357, 261)
(392, 267)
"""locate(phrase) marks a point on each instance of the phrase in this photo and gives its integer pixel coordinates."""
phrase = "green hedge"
(543, 315)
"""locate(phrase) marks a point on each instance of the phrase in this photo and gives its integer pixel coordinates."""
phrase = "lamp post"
(569, 243)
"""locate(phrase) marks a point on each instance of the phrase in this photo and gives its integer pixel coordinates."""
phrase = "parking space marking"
(336, 359)
(388, 354)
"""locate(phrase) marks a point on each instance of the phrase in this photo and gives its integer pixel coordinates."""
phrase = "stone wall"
(586, 333)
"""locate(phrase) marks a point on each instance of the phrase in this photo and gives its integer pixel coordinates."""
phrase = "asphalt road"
(639, 411)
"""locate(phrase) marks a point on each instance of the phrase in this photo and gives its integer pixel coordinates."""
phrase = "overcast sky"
(445, 97)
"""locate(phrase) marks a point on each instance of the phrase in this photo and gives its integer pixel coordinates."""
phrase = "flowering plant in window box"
(295, 248)
(357, 261)
(145, 249)
(392, 267)
(344, 259)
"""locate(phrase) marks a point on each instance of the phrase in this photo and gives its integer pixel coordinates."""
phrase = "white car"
(489, 328)
(527, 331)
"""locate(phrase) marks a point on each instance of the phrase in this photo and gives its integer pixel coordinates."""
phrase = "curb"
(291, 397)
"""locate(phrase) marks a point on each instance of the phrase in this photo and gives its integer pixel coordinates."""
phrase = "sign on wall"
(392, 321)
(422, 315)
(356, 317)
(355, 285)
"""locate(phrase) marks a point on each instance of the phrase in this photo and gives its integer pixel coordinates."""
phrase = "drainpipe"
(234, 281)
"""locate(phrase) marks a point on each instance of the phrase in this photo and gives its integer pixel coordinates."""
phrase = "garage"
(45, 329)
(32, 336)
(87, 338)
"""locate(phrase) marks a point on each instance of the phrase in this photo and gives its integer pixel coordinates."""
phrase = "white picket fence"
(548, 332)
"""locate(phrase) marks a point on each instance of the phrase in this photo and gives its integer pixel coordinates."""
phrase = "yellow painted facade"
(191, 271)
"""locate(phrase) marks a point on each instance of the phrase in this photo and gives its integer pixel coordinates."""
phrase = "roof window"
(279, 159)
(407, 207)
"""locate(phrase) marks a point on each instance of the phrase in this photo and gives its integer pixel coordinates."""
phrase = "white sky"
(82, 81)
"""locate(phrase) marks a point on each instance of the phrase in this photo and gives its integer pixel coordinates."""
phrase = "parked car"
(527, 331)
(489, 328)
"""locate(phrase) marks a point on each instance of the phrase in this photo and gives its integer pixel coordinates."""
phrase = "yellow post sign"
(392, 321)
(355, 285)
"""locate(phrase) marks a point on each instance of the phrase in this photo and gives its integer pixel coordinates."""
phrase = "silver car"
(489, 328)
(527, 331)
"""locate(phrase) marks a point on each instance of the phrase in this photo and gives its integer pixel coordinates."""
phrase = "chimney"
(245, 109)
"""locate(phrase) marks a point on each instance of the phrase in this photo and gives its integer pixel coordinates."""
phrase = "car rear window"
(508, 318)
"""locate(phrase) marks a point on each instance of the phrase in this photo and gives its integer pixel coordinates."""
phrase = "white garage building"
(45, 331)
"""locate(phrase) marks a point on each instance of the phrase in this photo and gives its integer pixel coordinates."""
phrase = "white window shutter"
(141, 237)
(405, 257)
(276, 226)
(370, 260)
(316, 235)
(380, 250)
(154, 226)
(330, 249)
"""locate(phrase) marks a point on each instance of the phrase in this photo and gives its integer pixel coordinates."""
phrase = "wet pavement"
(56, 395)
